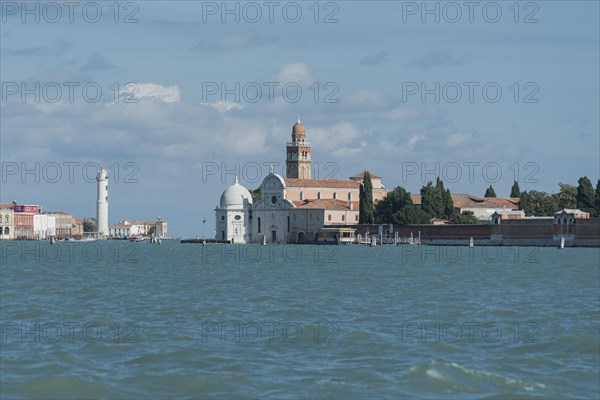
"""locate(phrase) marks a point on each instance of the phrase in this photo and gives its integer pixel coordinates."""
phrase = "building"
(298, 157)
(482, 207)
(40, 225)
(505, 214)
(24, 226)
(126, 229)
(160, 228)
(63, 224)
(77, 228)
(7, 222)
(102, 203)
(291, 209)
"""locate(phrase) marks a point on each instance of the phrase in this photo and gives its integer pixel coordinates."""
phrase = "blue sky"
(178, 146)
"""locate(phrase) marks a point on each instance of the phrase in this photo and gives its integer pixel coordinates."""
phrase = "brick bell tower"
(298, 154)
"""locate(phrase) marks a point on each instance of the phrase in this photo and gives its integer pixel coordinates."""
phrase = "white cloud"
(294, 72)
(168, 94)
(401, 114)
(224, 106)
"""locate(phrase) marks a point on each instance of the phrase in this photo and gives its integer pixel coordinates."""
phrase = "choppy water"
(115, 319)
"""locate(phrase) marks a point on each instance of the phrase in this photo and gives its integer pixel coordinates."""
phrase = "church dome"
(298, 131)
(235, 195)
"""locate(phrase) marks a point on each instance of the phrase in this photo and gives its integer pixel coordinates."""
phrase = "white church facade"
(291, 209)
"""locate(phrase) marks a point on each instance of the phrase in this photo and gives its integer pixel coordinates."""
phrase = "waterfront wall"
(524, 232)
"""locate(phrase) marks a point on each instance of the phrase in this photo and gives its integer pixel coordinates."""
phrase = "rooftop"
(326, 204)
(322, 183)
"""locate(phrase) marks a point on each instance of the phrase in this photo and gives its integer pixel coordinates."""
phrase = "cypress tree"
(598, 199)
(515, 191)
(586, 197)
(365, 211)
(490, 192)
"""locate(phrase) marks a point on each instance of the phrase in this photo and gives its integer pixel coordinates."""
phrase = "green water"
(136, 320)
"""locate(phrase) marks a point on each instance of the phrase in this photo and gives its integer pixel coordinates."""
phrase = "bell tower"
(298, 154)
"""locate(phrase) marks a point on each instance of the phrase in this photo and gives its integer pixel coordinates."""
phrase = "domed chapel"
(294, 208)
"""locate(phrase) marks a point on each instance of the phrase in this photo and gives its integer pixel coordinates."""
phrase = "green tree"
(597, 199)
(89, 224)
(393, 202)
(256, 195)
(464, 218)
(566, 197)
(448, 204)
(523, 202)
(411, 215)
(586, 197)
(365, 210)
(538, 203)
(436, 201)
(490, 192)
(514, 190)
(428, 199)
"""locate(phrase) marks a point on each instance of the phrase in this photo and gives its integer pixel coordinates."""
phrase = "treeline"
(436, 201)
(397, 206)
(583, 196)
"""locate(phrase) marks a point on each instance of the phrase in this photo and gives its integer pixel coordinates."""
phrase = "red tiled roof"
(470, 201)
(326, 204)
(323, 183)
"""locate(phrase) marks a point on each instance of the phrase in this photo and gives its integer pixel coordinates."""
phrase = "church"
(294, 208)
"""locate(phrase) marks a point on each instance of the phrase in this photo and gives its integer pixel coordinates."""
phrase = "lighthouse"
(102, 203)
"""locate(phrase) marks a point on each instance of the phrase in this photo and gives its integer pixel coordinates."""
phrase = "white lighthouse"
(102, 203)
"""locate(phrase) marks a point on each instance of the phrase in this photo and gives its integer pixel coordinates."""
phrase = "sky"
(176, 98)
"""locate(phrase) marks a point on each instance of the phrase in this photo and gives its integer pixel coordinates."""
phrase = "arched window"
(319, 195)
(334, 195)
(258, 224)
(349, 196)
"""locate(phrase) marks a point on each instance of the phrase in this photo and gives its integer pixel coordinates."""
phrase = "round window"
(237, 217)
(274, 199)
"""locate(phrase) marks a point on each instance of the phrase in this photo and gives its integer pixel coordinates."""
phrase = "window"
(343, 217)
(301, 195)
(258, 224)
(319, 195)
(222, 218)
(288, 221)
(349, 196)
(334, 195)
(356, 217)
(273, 200)
(329, 217)
(237, 217)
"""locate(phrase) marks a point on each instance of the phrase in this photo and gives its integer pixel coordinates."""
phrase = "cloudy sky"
(176, 98)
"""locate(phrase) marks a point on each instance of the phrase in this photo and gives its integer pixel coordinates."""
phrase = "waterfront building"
(24, 226)
(7, 222)
(40, 226)
(291, 209)
(126, 229)
(63, 224)
(160, 228)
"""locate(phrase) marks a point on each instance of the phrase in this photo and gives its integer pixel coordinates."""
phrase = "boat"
(136, 239)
